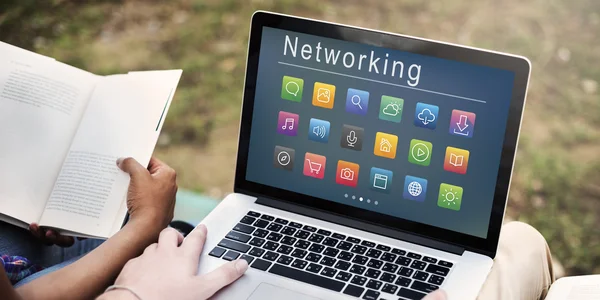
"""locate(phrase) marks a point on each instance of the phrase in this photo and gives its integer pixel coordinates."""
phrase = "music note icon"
(287, 123)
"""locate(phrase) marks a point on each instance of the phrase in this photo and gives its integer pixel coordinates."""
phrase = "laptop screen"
(407, 135)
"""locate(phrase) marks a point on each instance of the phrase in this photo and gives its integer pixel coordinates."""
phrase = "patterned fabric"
(18, 267)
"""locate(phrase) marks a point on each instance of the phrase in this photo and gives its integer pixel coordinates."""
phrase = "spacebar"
(306, 277)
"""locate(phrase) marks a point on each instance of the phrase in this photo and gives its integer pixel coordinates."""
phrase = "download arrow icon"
(462, 123)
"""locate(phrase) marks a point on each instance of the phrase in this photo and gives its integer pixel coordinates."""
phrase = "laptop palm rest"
(268, 291)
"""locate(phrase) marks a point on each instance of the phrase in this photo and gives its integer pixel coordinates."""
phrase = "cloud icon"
(391, 109)
(426, 116)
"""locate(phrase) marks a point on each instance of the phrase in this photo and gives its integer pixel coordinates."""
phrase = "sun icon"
(450, 196)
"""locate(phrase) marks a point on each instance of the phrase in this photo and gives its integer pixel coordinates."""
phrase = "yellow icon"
(323, 95)
(385, 145)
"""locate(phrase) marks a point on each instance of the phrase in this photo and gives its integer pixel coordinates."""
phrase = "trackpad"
(267, 291)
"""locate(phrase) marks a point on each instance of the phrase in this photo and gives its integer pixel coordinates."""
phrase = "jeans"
(19, 241)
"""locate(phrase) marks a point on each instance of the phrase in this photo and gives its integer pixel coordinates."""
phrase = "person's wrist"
(148, 221)
(117, 295)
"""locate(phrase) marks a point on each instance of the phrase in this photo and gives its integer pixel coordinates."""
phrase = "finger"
(155, 165)
(169, 237)
(222, 276)
(64, 241)
(132, 167)
(194, 242)
(437, 295)
(35, 229)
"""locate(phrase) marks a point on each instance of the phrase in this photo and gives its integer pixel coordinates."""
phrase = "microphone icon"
(351, 138)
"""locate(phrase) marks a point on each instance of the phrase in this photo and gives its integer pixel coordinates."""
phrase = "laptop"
(371, 165)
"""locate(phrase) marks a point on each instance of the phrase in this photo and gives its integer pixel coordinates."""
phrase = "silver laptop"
(371, 165)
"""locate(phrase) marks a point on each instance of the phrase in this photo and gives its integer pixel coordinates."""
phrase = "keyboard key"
(388, 267)
(347, 256)
(302, 234)
(373, 263)
(444, 263)
(420, 276)
(353, 240)
(258, 242)
(314, 268)
(374, 284)
(288, 240)
(284, 260)
(359, 280)
(344, 246)
(281, 221)
(299, 253)
(338, 236)
(371, 295)
(356, 269)
(267, 217)
(403, 281)
(302, 244)
(260, 264)
(316, 248)
(414, 255)
(253, 214)
(342, 265)
(368, 244)
(373, 253)
(343, 276)
(430, 260)
(313, 257)
(359, 259)
(383, 248)
(316, 238)
(275, 237)
(329, 272)
(328, 261)
(289, 230)
(388, 277)
(261, 223)
(324, 232)
(307, 277)
(331, 242)
(410, 294)
(389, 257)
(296, 225)
(283, 249)
(274, 227)
(331, 252)
(389, 288)
(248, 258)
(354, 291)
(229, 244)
(398, 251)
(309, 228)
(358, 249)
(217, 252)
(299, 264)
(403, 261)
(238, 236)
(271, 246)
(424, 287)
(417, 264)
(231, 255)
(406, 271)
(436, 279)
(272, 256)
(247, 220)
(257, 252)
(437, 270)
(243, 228)
(372, 273)
(261, 233)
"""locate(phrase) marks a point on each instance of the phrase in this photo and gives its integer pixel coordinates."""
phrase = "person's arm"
(151, 200)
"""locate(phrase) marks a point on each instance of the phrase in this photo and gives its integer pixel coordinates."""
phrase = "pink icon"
(314, 165)
(287, 123)
(462, 123)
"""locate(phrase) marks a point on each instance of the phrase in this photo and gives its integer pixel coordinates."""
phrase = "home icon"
(385, 145)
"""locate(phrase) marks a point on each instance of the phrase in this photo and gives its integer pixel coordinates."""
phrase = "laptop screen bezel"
(519, 65)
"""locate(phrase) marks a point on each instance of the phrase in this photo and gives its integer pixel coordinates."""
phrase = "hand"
(168, 270)
(437, 295)
(50, 237)
(151, 195)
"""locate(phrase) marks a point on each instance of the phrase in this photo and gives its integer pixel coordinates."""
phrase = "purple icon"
(287, 123)
(357, 101)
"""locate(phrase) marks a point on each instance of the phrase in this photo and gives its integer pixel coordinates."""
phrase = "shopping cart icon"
(315, 167)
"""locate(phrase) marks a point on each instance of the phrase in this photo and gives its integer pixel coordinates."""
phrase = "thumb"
(436, 295)
(132, 167)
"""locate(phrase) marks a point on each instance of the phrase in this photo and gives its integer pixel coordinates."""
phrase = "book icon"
(456, 160)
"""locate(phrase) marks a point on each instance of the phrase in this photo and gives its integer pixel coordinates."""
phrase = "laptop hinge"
(361, 225)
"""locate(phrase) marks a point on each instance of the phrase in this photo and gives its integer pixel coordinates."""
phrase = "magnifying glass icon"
(356, 101)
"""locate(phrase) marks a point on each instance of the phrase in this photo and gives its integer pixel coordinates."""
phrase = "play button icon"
(420, 152)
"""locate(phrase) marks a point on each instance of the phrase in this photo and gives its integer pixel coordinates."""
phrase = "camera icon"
(347, 174)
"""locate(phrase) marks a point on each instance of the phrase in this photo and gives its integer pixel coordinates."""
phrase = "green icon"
(391, 109)
(420, 152)
(291, 88)
(450, 196)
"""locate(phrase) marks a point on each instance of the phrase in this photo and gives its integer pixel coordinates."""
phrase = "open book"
(575, 288)
(62, 130)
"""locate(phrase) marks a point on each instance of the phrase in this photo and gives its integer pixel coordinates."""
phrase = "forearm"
(90, 275)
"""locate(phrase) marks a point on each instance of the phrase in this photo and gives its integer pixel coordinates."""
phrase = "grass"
(556, 186)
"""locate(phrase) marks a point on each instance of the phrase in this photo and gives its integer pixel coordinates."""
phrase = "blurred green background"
(556, 183)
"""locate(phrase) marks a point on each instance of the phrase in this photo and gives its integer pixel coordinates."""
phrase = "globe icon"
(415, 189)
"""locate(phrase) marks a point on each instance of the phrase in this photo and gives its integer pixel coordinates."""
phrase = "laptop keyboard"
(331, 260)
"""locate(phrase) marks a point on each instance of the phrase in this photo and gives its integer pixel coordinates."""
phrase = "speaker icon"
(320, 131)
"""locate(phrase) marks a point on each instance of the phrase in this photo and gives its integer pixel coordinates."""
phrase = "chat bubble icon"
(291, 88)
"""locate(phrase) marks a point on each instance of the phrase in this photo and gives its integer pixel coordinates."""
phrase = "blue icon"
(426, 115)
(415, 188)
(357, 102)
(381, 180)
(318, 130)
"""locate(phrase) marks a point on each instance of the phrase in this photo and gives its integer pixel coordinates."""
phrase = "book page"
(123, 118)
(575, 288)
(41, 104)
